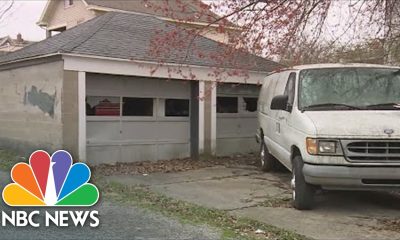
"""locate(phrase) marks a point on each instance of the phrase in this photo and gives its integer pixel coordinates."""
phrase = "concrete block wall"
(70, 113)
(30, 107)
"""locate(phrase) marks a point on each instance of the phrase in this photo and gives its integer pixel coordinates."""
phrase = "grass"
(231, 226)
(8, 159)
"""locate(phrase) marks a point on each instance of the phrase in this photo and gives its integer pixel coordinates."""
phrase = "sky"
(22, 19)
(23, 16)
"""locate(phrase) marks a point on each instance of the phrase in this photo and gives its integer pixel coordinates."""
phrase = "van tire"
(267, 161)
(302, 192)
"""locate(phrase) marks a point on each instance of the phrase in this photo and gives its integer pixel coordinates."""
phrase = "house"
(8, 44)
(96, 91)
(60, 15)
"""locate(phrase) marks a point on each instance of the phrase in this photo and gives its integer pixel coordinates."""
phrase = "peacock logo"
(50, 181)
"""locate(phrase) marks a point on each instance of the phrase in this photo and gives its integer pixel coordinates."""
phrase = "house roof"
(189, 10)
(129, 36)
(13, 42)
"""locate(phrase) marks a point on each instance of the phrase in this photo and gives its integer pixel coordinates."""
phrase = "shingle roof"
(14, 42)
(129, 36)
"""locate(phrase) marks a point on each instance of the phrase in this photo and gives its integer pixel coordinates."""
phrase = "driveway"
(244, 191)
(116, 222)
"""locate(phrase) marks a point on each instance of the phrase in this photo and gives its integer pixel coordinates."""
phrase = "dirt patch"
(175, 165)
(389, 225)
(284, 202)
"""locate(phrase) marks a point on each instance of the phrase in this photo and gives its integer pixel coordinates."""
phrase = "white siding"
(69, 16)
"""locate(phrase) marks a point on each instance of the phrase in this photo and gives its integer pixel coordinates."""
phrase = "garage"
(136, 119)
(236, 118)
(109, 101)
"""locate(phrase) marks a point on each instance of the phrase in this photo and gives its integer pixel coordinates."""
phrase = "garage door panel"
(155, 131)
(236, 127)
(173, 151)
(105, 154)
(174, 89)
(137, 136)
(173, 130)
(138, 130)
(98, 85)
(236, 130)
(138, 153)
(227, 127)
(140, 87)
(229, 146)
(248, 126)
(99, 131)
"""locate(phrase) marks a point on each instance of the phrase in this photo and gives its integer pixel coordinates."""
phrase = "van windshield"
(349, 89)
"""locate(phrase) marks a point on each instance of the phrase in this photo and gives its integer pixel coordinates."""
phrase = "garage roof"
(129, 36)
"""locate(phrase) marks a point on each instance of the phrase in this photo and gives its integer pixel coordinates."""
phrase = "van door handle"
(281, 118)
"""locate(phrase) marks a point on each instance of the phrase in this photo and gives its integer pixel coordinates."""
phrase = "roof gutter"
(30, 59)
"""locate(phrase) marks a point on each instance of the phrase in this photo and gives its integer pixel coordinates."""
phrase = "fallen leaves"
(175, 165)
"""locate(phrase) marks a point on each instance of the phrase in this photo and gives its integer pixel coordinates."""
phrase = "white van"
(334, 126)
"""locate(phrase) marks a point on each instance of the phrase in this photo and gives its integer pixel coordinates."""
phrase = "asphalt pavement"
(116, 222)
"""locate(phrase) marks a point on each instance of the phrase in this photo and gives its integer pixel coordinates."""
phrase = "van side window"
(290, 90)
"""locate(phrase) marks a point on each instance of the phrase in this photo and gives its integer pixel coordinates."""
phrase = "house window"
(177, 108)
(68, 3)
(102, 106)
(227, 105)
(250, 104)
(140, 107)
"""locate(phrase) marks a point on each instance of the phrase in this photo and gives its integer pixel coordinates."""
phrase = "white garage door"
(236, 118)
(136, 119)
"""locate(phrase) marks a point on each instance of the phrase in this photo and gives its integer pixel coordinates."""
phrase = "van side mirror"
(279, 102)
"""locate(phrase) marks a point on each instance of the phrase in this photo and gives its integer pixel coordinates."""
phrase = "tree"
(369, 51)
(277, 28)
(5, 7)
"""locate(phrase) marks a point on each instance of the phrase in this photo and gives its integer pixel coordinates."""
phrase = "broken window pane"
(227, 104)
(176, 108)
(102, 106)
(250, 104)
(137, 107)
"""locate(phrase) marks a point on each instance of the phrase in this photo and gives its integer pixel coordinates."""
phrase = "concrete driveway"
(247, 192)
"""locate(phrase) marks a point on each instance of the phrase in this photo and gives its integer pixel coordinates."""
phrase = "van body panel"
(364, 124)
(371, 132)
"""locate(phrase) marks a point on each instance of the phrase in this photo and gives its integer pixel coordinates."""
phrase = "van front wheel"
(267, 161)
(302, 192)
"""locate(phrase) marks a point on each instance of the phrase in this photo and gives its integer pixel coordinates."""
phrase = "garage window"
(227, 105)
(142, 107)
(102, 106)
(250, 104)
(177, 108)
